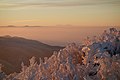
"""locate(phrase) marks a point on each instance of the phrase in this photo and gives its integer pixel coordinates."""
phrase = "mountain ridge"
(19, 49)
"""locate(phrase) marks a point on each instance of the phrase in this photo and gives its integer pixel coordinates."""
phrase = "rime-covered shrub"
(96, 59)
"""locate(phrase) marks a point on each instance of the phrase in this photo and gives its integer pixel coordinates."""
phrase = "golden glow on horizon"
(54, 12)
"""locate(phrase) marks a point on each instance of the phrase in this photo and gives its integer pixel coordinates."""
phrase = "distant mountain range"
(14, 50)
(21, 26)
(67, 25)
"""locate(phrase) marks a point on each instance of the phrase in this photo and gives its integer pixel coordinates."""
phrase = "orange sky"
(64, 12)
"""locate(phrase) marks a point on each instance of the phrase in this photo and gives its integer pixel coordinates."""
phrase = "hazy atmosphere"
(59, 39)
(54, 35)
(60, 12)
(60, 21)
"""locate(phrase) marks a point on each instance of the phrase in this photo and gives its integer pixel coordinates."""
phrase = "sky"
(60, 12)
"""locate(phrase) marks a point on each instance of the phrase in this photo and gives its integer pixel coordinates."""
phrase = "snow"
(97, 59)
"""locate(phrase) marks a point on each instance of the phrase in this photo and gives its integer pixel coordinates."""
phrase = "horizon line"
(58, 26)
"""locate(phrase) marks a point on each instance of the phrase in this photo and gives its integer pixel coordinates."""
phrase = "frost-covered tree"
(97, 59)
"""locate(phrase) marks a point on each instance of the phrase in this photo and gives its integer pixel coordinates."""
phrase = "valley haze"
(59, 35)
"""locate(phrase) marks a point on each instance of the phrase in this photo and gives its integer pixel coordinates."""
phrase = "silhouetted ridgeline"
(14, 50)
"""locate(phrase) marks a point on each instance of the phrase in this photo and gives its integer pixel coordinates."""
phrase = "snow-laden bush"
(97, 59)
